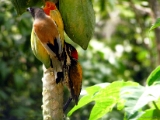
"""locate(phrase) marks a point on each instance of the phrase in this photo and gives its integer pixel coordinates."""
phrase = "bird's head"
(72, 52)
(49, 6)
(36, 12)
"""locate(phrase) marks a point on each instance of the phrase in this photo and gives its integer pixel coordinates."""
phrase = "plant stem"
(52, 96)
(155, 105)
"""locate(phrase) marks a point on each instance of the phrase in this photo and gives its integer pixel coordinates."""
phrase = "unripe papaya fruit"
(79, 20)
(22, 5)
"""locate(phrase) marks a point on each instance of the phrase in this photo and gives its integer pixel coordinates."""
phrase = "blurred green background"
(122, 48)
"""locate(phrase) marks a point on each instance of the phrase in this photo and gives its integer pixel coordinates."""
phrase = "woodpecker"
(46, 30)
(71, 67)
(72, 72)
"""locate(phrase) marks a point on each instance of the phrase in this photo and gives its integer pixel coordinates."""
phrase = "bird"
(46, 30)
(73, 73)
(51, 10)
(49, 6)
(37, 48)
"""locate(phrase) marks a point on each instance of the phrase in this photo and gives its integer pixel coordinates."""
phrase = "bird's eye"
(30, 10)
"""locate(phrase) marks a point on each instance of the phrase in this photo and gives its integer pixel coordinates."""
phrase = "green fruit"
(21, 5)
(79, 20)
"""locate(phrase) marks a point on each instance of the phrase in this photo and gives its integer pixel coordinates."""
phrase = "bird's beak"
(28, 9)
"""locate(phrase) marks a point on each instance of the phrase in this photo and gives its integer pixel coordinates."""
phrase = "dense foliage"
(122, 48)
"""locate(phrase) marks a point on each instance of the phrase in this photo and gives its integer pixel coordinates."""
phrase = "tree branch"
(155, 6)
(52, 96)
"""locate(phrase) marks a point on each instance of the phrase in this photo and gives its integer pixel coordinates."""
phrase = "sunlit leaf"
(154, 77)
(105, 93)
(112, 90)
(157, 103)
(120, 104)
(151, 93)
(101, 108)
(88, 97)
(155, 25)
(93, 89)
(83, 101)
(150, 114)
(131, 95)
(107, 97)
(137, 97)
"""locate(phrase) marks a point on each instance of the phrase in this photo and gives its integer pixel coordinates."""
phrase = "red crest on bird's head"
(71, 51)
(49, 6)
(74, 54)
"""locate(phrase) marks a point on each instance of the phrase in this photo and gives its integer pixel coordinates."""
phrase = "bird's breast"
(45, 30)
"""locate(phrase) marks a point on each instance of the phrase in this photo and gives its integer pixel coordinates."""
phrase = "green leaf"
(154, 77)
(83, 101)
(138, 97)
(150, 114)
(79, 20)
(101, 108)
(105, 95)
(88, 97)
(151, 93)
(157, 103)
(107, 98)
(130, 95)
(155, 25)
(112, 90)
(21, 5)
(93, 89)
(120, 104)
